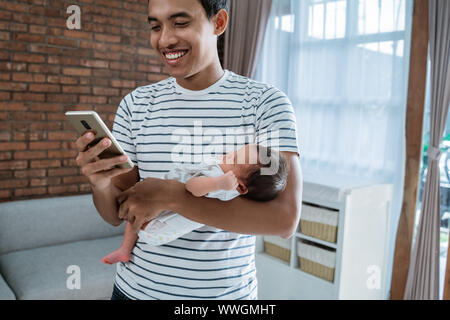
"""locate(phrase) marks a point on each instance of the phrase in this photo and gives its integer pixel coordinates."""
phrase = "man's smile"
(173, 57)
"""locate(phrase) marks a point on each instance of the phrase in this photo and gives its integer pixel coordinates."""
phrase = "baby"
(256, 172)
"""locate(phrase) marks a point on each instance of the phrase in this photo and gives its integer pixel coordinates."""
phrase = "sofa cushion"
(5, 291)
(30, 224)
(42, 273)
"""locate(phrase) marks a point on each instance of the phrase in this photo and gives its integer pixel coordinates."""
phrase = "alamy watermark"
(74, 279)
(73, 22)
(204, 143)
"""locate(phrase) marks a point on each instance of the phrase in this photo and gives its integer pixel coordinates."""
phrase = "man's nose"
(167, 38)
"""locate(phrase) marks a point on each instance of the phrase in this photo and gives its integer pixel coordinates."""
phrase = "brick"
(45, 163)
(67, 98)
(47, 125)
(63, 60)
(121, 66)
(62, 42)
(5, 155)
(61, 80)
(13, 66)
(45, 182)
(105, 91)
(62, 172)
(4, 35)
(94, 63)
(29, 155)
(22, 96)
(29, 136)
(76, 89)
(93, 99)
(9, 6)
(28, 19)
(26, 77)
(63, 154)
(27, 116)
(107, 55)
(41, 68)
(76, 72)
(5, 194)
(62, 135)
(13, 165)
(29, 191)
(13, 86)
(29, 173)
(5, 76)
(77, 34)
(123, 84)
(78, 179)
(44, 145)
(33, 38)
(42, 48)
(5, 136)
(44, 88)
(12, 106)
(14, 183)
(27, 57)
(62, 189)
(12, 146)
(107, 38)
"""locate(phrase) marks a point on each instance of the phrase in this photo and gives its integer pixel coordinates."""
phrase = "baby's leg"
(124, 252)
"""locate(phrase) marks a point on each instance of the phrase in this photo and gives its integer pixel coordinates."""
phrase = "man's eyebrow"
(181, 14)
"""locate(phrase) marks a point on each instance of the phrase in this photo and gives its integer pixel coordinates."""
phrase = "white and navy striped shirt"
(162, 124)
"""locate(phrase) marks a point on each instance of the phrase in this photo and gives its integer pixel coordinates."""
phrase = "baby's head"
(261, 171)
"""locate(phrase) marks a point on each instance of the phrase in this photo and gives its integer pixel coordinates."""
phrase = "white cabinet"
(360, 251)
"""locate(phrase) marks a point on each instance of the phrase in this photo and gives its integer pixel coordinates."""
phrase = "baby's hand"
(228, 181)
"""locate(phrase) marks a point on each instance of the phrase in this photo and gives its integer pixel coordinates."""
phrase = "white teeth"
(173, 56)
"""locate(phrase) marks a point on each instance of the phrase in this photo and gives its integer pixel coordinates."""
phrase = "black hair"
(213, 6)
(267, 187)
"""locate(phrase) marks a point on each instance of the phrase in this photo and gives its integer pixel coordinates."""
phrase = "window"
(344, 66)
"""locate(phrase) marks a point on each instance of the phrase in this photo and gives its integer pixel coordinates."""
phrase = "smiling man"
(216, 261)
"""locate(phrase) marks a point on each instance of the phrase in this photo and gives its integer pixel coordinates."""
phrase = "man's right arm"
(107, 181)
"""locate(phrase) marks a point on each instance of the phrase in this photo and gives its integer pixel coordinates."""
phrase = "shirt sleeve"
(275, 122)
(123, 129)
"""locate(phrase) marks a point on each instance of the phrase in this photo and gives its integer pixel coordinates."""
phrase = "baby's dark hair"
(265, 187)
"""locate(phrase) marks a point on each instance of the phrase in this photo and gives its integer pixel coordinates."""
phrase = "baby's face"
(241, 161)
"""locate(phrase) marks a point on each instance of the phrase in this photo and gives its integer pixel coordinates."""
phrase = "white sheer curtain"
(344, 65)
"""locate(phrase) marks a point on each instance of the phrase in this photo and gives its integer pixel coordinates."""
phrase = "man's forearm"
(106, 203)
(239, 215)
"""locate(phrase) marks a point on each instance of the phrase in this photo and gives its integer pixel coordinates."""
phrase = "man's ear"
(220, 21)
(241, 188)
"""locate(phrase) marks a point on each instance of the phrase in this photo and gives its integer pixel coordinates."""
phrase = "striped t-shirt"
(162, 124)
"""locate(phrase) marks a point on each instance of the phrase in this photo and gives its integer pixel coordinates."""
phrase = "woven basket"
(319, 230)
(316, 260)
(320, 223)
(316, 269)
(277, 251)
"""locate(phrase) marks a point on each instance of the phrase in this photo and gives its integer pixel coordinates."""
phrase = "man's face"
(182, 35)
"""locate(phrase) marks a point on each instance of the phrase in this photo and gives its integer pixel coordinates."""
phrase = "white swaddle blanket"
(170, 225)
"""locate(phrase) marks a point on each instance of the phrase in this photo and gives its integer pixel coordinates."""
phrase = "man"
(216, 261)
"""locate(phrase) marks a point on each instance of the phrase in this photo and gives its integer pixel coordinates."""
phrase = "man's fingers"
(137, 224)
(83, 141)
(102, 165)
(123, 211)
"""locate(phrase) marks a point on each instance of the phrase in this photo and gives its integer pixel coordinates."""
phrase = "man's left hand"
(144, 201)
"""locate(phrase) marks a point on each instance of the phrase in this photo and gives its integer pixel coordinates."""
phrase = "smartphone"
(84, 121)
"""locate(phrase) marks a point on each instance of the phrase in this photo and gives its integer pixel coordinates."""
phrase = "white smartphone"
(84, 121)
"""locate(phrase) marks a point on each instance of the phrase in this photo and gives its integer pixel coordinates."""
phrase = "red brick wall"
(47, 69)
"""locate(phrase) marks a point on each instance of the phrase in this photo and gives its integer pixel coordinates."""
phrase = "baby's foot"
(116, 256)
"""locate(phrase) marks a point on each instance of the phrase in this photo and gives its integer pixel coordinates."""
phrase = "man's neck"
(203, 79)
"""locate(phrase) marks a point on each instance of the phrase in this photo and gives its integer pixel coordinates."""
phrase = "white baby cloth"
(170, 225)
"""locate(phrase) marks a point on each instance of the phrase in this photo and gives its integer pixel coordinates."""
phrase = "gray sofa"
(41, 239)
